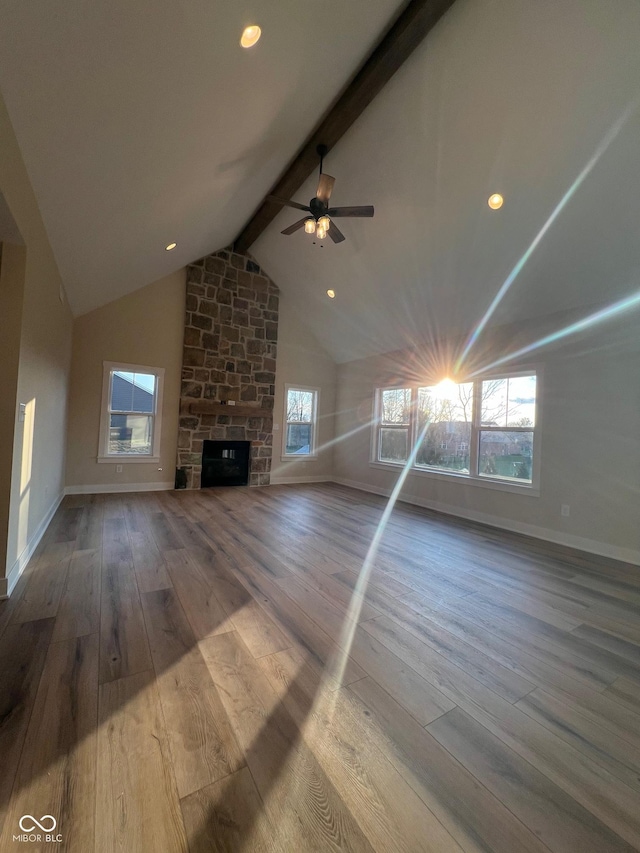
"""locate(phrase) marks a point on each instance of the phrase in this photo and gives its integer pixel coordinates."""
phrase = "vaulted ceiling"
(537, 101)
(145, 123)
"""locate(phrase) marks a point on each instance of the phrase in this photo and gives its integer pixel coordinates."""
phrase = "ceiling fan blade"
(295, 226)
(289, 203)
(325, 188)
(363, 210)
(335, 233)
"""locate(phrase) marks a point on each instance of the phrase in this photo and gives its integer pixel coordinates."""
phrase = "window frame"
(108, 368)
(473, 477)
(375, 444)
(313, 446)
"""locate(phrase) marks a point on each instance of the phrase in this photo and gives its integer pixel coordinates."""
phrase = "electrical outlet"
(118, 469)
(276, 427)
(565, 510)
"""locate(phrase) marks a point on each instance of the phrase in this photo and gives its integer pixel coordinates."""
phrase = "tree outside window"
(300, 421)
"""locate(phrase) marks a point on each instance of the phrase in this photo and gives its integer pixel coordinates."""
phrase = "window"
(301, 412)
(445, 416)
(484, 430)
(131, 413)
(506, 430)
(395, 423)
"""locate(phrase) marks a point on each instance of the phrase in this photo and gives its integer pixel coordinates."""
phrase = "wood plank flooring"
(215, 671)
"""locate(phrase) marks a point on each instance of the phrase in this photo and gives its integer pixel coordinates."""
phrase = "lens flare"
(355, 605)
(606, 142)
(626, 304)
(302, 457)
(446, 389)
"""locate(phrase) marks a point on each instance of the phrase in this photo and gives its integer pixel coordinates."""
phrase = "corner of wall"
(43, 350)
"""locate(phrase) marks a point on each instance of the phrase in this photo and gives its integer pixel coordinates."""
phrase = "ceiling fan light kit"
(320, 223)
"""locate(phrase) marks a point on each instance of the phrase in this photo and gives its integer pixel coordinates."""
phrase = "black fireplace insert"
(225, 463)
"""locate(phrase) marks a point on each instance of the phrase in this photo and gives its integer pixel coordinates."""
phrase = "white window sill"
(293, 456)
(118, 460)
(467, 479)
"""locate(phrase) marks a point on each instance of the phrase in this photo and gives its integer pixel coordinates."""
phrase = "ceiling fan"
(320, 221)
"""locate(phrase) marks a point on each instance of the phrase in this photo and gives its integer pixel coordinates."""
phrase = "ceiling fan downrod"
(322, 153)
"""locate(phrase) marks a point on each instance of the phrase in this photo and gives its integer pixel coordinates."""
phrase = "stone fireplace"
(228, 362)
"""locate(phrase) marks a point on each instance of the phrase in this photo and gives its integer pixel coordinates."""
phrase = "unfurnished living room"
(320, 426)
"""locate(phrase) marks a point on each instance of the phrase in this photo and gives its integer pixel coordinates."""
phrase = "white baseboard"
(580, 543)
(7, 585)
(118, 488)
(309, 478)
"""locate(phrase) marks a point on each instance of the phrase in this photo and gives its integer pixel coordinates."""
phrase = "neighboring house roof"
(127, 396)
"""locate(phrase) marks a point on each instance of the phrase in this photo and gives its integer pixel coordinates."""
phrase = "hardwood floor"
(215, 671)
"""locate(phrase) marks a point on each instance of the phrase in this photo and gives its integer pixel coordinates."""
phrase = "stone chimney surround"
(229, 356)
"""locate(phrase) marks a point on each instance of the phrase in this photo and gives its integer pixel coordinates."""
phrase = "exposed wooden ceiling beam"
(399, 42)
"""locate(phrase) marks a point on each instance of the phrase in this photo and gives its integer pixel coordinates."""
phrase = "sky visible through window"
(142, 380)
(505, 402)
(509, 402)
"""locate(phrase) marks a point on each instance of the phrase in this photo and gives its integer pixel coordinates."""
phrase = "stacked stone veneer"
(230, 341)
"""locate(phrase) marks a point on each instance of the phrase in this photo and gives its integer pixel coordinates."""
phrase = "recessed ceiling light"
(250, 36)
(495, 201)
(170, 247)
(331, 294)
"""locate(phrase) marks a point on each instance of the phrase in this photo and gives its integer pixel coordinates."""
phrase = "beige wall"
(589, 422)
(145, 327)
(12, 273)
(303, 361)
(37, 478)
